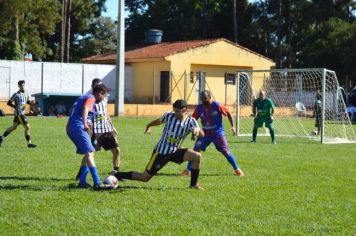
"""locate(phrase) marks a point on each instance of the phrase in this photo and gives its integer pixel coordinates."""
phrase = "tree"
(26, 26)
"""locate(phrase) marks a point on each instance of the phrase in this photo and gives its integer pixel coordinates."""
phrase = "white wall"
(70, 78)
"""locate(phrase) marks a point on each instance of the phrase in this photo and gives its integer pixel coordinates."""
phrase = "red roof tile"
(160, 50)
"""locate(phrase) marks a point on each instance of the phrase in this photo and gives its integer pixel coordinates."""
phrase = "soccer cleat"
(1, 140)
(113, 172)
(31, 145)
(185, 173)
(77, 177)
(253, 141)
(274, 142)
(102, 186)
(196, 187)
(84, 186)
(239, 172)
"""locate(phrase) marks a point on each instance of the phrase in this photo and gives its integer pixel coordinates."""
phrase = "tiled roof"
(161, 50)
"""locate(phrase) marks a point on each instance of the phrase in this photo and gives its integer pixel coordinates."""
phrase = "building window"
(191, 78)
(230, 78)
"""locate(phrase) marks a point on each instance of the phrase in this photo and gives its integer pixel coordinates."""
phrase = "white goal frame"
(335, 124)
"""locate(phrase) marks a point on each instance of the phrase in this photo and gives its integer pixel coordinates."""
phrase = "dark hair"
(99, 89)
(205, 93)
(96, 81)
(318, 95)
(179, 104)
(21, 82)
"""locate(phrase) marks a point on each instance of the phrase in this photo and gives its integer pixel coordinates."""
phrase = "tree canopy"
(295, 34)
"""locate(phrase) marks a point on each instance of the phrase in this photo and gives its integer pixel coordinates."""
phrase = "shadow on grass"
(201, 174)
(32, 178)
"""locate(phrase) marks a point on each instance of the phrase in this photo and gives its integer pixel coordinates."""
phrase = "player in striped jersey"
(18, 101)
(103, 131)
(177, 126)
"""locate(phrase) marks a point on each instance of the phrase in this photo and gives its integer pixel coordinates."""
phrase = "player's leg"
(156, 163)
(194, 157)
(200, 145)
(269, 125)
(116, 158)
(256, 124)
(26, 126)
(14, 125)
(222, 146)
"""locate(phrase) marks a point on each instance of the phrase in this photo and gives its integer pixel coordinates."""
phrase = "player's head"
(95, 82)
(205, 97)
(262, 95)
(179, 108)
(318, 95)
(100, 91)
(21, 84)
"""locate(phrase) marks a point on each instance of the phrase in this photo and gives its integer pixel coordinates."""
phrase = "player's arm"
(152, 123)
(227, 113)
(195, 129)
(88, 105)
(11, 103)
(110, 122)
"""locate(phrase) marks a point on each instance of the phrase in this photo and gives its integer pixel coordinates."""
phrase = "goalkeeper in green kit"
(263, 109)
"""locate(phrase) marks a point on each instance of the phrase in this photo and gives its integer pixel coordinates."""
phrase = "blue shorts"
(81, 140)
(219, 141)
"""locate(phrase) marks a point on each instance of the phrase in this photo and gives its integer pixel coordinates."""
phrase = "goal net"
(300, 96)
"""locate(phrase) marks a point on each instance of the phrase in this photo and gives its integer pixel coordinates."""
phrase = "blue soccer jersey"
(76, 115)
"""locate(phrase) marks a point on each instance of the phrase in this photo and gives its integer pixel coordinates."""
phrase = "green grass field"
(297, 187)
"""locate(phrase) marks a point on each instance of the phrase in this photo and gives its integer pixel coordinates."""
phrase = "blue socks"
(95, 175)
(232, 160)
(84, 170)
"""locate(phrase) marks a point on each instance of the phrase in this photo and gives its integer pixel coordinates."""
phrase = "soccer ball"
(314, 132)
(112, 181)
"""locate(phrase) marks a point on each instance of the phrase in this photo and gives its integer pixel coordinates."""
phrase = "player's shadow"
(201, 174)
(24, 178)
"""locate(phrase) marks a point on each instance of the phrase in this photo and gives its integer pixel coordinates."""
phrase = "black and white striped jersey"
(174, 132)
(20, 99)
(101, 123)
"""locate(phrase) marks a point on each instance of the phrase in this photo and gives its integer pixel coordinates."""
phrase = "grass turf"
(295, 187)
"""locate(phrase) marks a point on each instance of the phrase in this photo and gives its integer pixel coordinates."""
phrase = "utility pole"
(120, 60)
(234, 20)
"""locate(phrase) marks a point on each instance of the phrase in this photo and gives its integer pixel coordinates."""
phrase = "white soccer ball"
(112, 181)
(314, 132)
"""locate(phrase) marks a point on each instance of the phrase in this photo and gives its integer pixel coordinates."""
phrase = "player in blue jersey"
(78, 129)
(210, 112)
(18, 101)
(263, 109)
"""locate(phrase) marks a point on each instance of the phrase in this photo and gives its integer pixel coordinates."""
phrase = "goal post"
(303, 99)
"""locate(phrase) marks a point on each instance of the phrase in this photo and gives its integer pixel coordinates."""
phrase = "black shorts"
(21, 119)
(159, 160)
(106, 140)
(318, 121)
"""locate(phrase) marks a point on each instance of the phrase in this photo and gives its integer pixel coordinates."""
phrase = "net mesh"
(297, 109)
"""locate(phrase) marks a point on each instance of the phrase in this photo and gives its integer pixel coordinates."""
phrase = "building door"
(164, 95)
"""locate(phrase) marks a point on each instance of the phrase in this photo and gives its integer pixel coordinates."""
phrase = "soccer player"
(18, 101)
(263, 109)
(210, 112)
(103, 131)
(177, 126)
(78, 129)
(317, 113)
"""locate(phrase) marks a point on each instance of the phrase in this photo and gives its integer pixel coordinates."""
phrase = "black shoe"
(77, 177)
(113, 172)
(102, 186)
(84, 186)
(1, 140)
(31, 145)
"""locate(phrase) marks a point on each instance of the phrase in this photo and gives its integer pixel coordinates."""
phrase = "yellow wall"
(145, 80)
(216, 59)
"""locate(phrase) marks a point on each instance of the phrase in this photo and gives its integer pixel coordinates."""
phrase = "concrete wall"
(48, 77)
